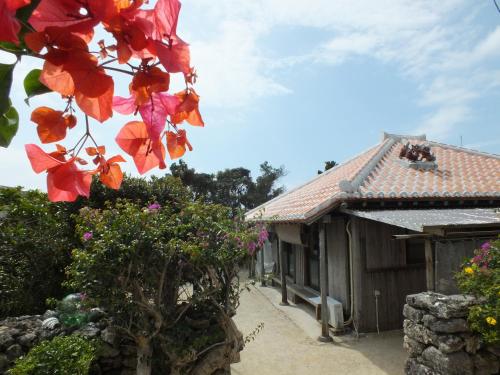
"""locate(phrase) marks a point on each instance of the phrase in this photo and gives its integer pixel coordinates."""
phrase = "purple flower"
(251, 247)
(486, 246)
(154, 207)
(87, 236)
(263, 235)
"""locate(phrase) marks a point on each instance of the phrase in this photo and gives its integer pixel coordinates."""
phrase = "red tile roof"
(379, 173)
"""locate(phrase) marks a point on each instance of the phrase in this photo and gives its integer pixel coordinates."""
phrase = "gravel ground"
(288, 342)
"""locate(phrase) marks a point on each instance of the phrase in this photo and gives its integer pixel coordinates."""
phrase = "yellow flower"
(491, 321)
(468, 270)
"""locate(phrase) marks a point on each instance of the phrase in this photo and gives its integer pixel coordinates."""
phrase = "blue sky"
(299, 82)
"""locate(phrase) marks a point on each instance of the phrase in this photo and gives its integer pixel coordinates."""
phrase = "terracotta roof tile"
(379, 173)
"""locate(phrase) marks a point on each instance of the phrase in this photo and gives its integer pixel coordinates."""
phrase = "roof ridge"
(464, 149)
(362, 174)
(258, 208)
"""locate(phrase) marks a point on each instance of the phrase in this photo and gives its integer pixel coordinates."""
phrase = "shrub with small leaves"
(62, 355)
(480, 276)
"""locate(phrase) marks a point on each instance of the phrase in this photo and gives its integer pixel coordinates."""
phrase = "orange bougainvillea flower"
(188, 108)
(176, 143)
(70, 69)
(52, 125)
(65, 182)
(147, 82)
(110, 172)
(134, 139)
(9, 25)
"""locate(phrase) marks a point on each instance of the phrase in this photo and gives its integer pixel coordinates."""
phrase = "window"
(415, 251)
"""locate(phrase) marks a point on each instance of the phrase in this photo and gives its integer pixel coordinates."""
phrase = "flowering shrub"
(168, 276)
(480, 276)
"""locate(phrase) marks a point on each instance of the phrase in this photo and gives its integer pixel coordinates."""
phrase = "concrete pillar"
(284, 297)
(323, 281)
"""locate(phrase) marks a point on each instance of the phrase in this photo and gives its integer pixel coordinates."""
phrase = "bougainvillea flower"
(166, 15)
(188, 108)
(9, 25)
(65, 182)
(177, 143)
(154, 207)
(52, 125)
(87, 236)
(76, 16)
(134, 139)
(175, 56)
(110, 172)
(154, 112)
(70, 69)
(147, 82)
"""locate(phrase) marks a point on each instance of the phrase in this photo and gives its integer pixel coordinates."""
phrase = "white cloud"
(440, 46)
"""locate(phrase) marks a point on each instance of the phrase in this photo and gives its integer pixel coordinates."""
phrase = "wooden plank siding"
(380, 264)
(338, 263)
(300, 265)
(449, 255)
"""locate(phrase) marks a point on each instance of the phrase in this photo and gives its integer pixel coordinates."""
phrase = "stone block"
(453, 306)
(422, 300)
(413, 347)
(455, 325)
(27, 340)
(14, 351)
(458, 363)
(413, 314)
(412, 367)
(450, 343)
(419, 333)
(6, 340)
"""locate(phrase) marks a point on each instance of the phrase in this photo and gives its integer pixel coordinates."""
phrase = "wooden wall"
(380, 264)
(338, 263)
(449, 255)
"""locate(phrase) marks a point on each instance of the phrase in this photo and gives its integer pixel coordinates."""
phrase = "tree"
(232, 187)
(328, 165)
(168, 276)
(146, 48)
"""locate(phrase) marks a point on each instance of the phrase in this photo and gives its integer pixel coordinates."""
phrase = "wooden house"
(397, 219)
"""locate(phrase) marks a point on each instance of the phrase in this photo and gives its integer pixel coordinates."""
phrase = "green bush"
(480, 276)
(163, 271)
(36, 237)
(62, 355)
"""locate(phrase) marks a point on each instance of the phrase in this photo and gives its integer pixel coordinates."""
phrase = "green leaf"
(9, 123)
(10, 47)
(33, 86)
(5, 84)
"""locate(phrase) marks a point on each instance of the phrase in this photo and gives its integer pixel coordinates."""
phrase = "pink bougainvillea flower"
(154, 207)
(87, 236)
(154, 112)
(486, 246)
(9, 25)
(251, 247)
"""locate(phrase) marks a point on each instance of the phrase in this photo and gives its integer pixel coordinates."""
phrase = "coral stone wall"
(19, 334)
(438, 338)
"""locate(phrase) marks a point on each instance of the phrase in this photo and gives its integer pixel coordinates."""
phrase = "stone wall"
(18, 335)
(438, 338)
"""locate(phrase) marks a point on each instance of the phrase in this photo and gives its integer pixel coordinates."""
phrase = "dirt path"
(288, 345)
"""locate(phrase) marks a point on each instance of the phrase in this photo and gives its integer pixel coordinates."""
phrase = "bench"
(313, 298)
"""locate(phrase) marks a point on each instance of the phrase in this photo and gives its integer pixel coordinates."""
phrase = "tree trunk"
(144, 354)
